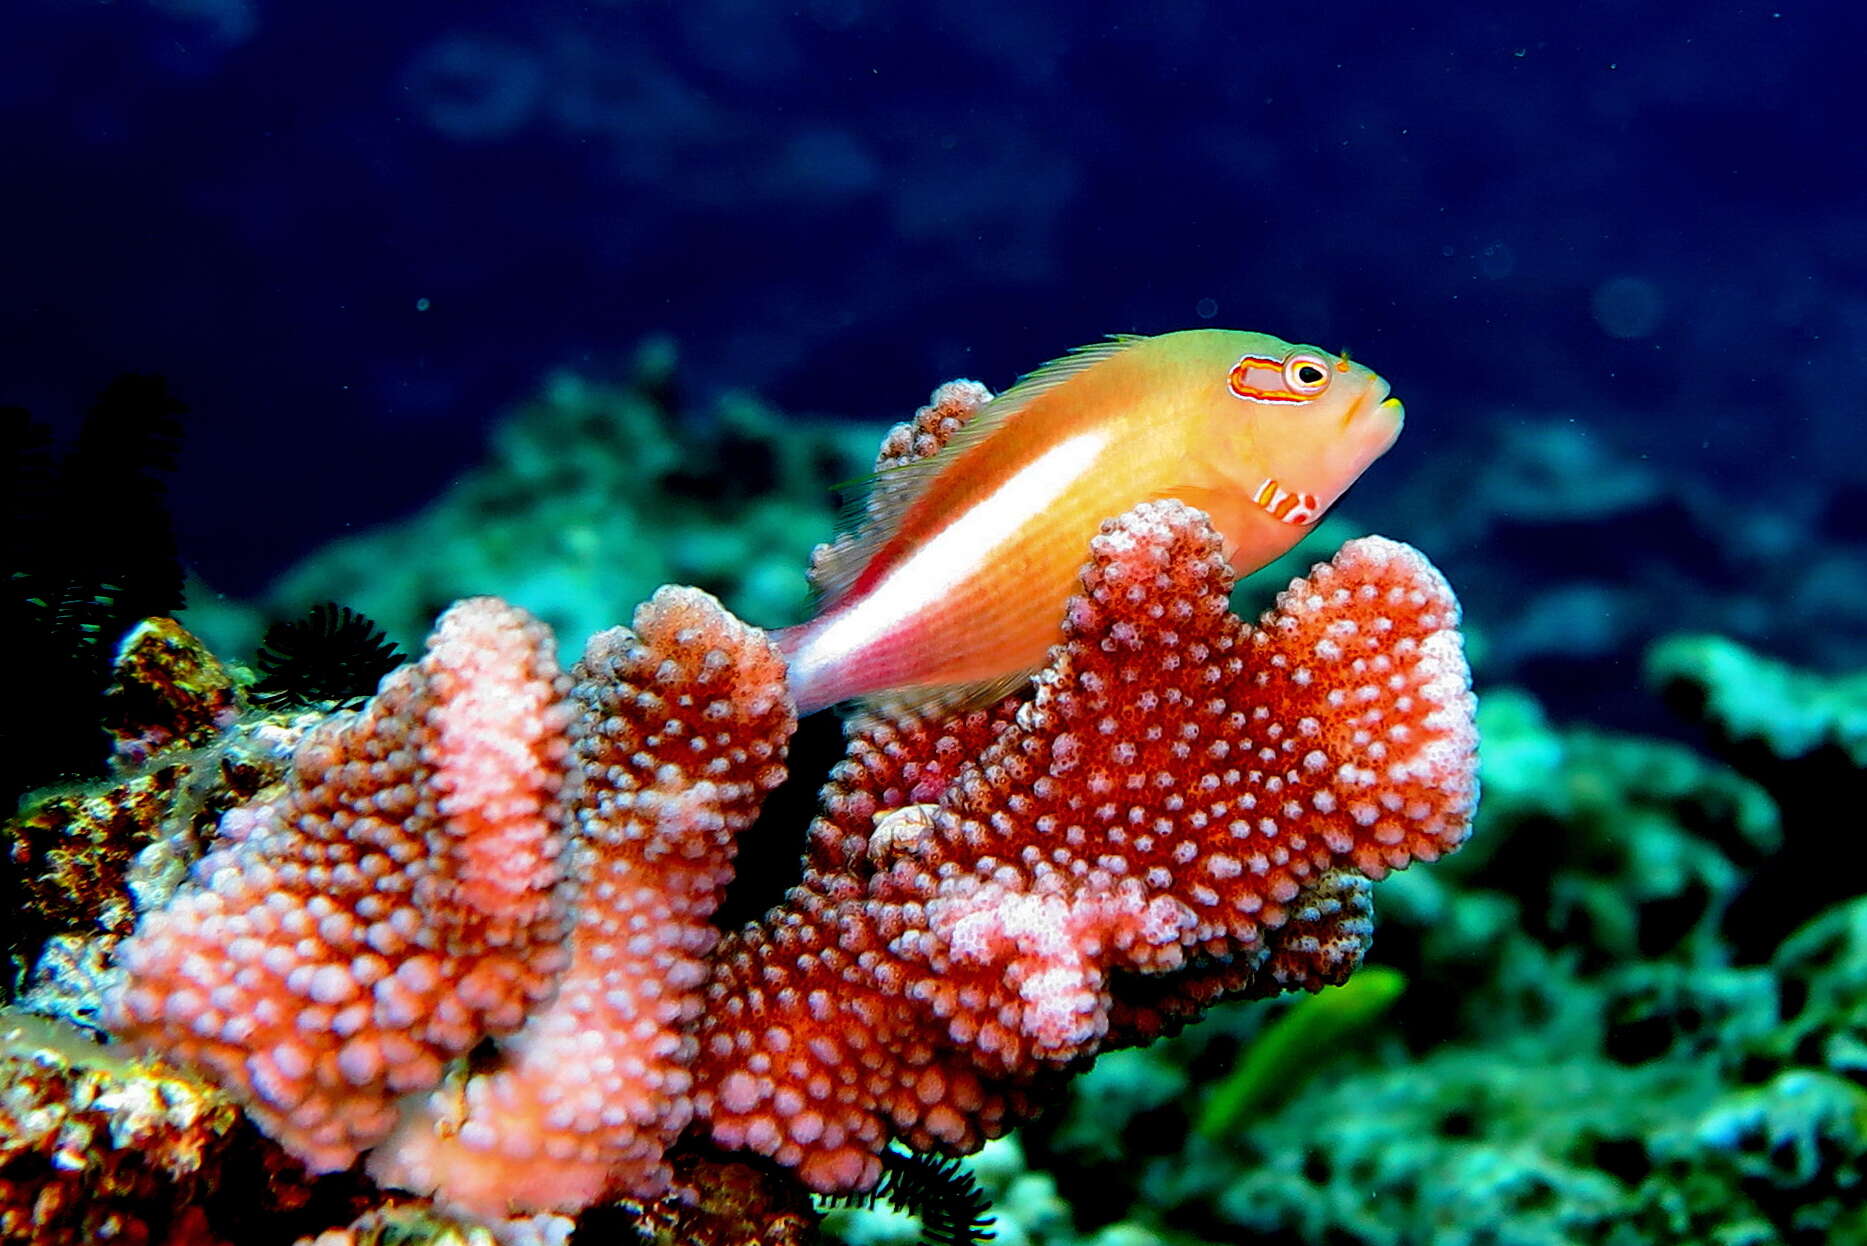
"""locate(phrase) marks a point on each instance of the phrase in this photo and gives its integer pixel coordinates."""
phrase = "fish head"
(1298, 424)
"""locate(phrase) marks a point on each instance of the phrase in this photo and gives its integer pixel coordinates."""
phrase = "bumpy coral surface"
(489, 858)
(1580, 1054)
(1177, 781)
(684, 728)
(399, 901)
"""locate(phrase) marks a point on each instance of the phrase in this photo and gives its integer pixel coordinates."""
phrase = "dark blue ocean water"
(1613, 256)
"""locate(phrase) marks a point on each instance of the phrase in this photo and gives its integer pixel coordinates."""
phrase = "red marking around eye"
(1271, 389)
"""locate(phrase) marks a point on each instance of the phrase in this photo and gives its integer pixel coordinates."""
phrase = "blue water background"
(353, 234)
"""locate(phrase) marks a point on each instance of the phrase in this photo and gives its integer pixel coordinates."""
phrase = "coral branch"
(684, 725)
(401, 899)
(491, 859)
(1174, 785)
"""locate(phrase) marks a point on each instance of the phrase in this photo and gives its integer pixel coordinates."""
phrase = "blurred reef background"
(564, 301)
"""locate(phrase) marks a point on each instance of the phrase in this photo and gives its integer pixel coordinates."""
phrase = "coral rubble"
(96, 1146)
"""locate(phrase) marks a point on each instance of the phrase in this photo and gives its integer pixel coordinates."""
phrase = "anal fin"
(938, 700)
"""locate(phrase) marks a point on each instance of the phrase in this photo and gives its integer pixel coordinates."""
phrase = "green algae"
(1748, 697)
(1277, 1064)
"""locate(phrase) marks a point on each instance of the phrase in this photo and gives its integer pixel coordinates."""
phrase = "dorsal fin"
(949, 409)
(899, 482)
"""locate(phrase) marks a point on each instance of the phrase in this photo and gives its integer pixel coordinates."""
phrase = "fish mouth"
(1379, 407)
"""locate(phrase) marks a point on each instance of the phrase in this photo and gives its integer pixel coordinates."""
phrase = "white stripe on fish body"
(924, 580)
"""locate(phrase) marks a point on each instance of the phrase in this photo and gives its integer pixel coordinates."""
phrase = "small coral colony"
(446, 957)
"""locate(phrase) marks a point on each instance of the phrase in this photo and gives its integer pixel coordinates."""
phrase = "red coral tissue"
(491, 858)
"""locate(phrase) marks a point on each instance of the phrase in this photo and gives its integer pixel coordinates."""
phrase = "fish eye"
(1306, 373)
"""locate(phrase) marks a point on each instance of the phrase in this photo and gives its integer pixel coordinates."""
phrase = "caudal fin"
(812, 682)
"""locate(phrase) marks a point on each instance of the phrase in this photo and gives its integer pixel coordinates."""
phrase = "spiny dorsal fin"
(899, 481)
(947, 411)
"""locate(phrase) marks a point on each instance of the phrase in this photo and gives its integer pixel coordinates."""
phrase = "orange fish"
(953, 589)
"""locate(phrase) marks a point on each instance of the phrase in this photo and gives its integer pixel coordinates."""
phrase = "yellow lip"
(1385, 407)
(1397, 414)
(1376, 424)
